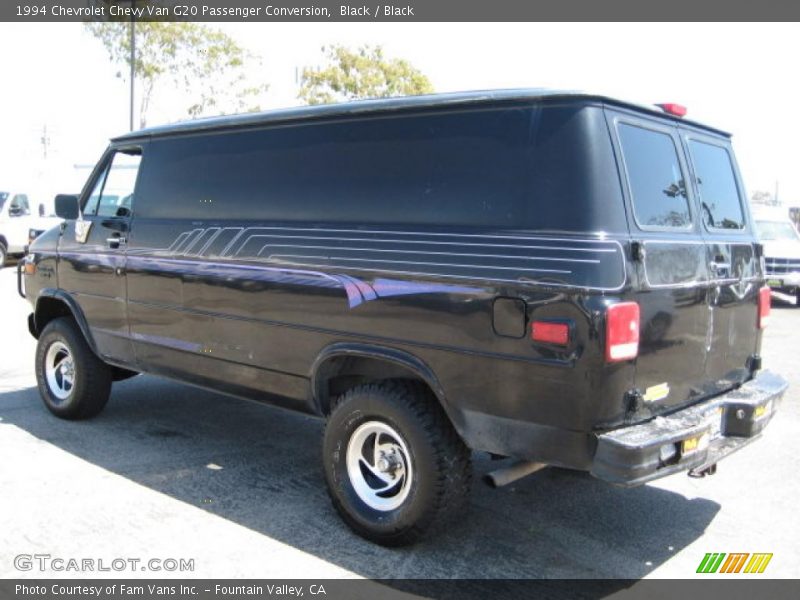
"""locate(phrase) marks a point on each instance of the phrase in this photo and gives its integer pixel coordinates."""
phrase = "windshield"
(776, 230)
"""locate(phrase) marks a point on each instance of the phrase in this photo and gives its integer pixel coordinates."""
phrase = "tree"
(364, 73)
(206, 65)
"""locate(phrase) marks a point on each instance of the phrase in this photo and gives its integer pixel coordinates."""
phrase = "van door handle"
(115, 241)
(719, 266)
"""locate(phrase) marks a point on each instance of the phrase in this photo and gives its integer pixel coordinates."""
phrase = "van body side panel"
(265, 295)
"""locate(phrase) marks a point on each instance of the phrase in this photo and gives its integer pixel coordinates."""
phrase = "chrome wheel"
(59, 370)
(379, 466)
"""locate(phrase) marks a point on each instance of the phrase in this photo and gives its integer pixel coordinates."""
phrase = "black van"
(561, 278)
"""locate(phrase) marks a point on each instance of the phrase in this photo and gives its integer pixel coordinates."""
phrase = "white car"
(781, 251)
(17, 223)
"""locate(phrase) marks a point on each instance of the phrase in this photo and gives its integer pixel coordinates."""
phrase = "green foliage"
(204, 65)
(364, 73)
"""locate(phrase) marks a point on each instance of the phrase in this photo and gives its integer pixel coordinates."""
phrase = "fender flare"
(74, 308)
(362, 350)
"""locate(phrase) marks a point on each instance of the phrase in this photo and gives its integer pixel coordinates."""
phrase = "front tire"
(73, 382)
(394, 465)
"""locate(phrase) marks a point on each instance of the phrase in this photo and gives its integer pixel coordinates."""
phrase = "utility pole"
(133, 56)
(45, 140)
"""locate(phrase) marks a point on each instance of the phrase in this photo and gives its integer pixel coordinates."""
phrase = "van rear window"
(655, 177)
(719, 194)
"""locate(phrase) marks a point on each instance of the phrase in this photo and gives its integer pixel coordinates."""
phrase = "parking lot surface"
(170, 471)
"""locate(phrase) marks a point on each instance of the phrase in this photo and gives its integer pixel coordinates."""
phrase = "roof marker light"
(676, 110)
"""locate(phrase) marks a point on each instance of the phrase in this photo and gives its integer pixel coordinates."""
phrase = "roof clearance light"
(676, 110)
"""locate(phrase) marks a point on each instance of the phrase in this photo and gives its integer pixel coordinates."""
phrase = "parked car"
(432, 275)
(781, 250)
(16, 223)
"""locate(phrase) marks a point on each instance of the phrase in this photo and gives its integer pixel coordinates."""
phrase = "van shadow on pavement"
(554, 524)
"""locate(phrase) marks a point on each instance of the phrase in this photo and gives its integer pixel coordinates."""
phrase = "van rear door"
(734, 269)
(672, 266)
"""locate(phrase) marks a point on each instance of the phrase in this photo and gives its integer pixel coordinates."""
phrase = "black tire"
(440, 470)
(89, 390)
(3, 255)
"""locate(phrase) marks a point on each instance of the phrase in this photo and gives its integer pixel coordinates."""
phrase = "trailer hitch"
(703, 471)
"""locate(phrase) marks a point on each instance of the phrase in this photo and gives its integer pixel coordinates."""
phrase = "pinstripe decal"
(552, 261)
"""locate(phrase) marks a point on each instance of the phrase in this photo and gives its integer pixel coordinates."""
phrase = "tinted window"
(719, 194)
(19, 205)
(521, 168)
(112, 195)
(655, 177)
(90, 208)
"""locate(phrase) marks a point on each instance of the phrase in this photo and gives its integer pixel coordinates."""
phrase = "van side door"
(92, 252)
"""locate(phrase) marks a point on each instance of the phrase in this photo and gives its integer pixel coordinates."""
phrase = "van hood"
(782, 249)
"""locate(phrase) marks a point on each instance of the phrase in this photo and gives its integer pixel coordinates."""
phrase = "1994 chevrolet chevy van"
(561, 278)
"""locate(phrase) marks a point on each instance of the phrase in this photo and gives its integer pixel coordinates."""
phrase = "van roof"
(388, 105)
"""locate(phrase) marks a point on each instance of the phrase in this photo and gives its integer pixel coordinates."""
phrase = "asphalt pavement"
(168, 471)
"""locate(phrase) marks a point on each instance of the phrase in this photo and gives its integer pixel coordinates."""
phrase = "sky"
(738, 77)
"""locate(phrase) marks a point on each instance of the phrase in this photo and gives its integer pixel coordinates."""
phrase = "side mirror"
(67, 206)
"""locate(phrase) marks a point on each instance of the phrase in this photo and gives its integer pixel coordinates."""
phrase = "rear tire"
(3, 255)
(394, 464)
(73, 382)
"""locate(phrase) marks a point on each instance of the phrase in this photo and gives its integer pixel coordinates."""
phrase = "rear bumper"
(716, 428)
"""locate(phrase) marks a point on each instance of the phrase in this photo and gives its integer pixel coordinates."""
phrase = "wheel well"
(48, 309)
(340, 373)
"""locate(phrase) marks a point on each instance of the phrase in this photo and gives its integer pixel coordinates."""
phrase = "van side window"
(90, 208)
(19, 205)
(522, 168)
(112, 195)
(719, 194)
(656, 180)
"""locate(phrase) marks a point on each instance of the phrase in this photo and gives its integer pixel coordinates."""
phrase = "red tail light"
(550, 333)
(622, 331)
(764, 306)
